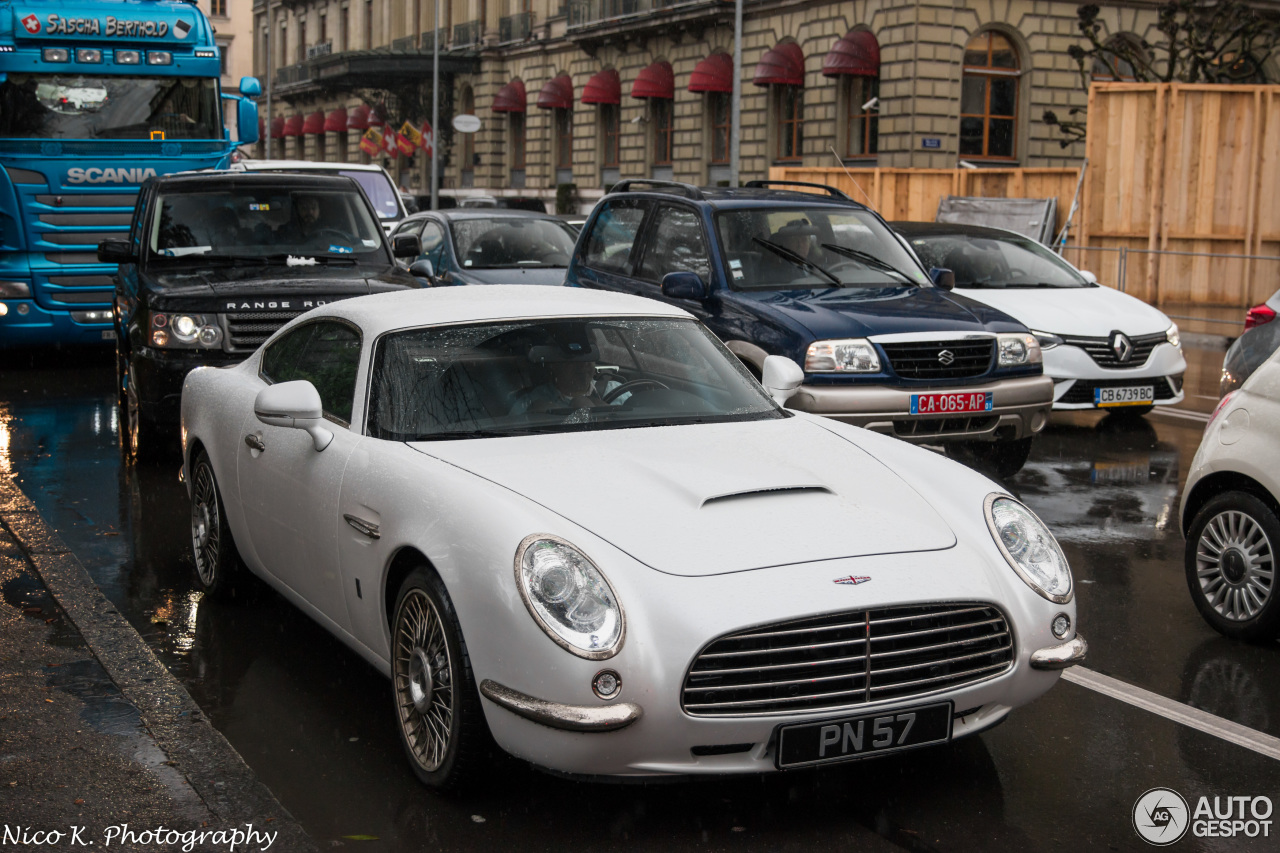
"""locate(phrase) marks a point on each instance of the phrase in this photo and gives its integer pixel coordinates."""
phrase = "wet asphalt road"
(315, 722)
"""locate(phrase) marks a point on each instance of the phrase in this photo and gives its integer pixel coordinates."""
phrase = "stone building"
(589, 92)
(233, 31)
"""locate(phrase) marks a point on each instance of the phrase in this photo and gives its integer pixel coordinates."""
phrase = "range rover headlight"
(569, 597)
(1018, 348)
(856, 355)
(1171, 335)
(1029, 547)
(185, 331)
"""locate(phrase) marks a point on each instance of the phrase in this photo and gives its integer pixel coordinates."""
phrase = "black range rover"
(216, 262)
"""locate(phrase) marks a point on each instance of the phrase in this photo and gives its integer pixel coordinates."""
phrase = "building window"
(564, 139)
(721, 118)
(863, 109)
(662, 117)
(368, 24)
(789, 104)
(302, 41)
(1115, 63)
(223, 63)
(324, 28)
(611, 132)
(989, 98)
(468, 102)
(517, 141)
(320, 148)
(218, 8)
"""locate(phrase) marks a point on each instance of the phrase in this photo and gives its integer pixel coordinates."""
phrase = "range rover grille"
(963, 359)
(848, 659)
(246, 332)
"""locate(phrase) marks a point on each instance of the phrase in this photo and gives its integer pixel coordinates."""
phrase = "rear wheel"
(1231, 566)
(218, 565)
(1002, 458)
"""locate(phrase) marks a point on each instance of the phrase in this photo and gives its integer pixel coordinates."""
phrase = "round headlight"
(568, 596)
(184, 327)
(1029, 547)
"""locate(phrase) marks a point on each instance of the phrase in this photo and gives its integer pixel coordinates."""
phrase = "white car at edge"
(1103, 349)
(571, 520)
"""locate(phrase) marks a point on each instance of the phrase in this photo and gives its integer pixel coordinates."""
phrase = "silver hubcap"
(422, 674)
(1235, 565)
(204, 525)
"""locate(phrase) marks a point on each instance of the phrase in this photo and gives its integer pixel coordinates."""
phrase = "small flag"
(371, 142)
(428, 139)
(410, 139)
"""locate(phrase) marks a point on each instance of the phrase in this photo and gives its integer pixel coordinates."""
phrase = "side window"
(433, 244)
(326, 355)
(613, 236)
(677, 245)
(408, 228)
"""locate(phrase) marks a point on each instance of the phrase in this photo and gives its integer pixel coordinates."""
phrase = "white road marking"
(1183, 414)
(1201, 721)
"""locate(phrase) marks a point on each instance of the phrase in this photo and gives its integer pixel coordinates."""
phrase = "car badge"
(946, 357)
(852, 580)
(1122, 347)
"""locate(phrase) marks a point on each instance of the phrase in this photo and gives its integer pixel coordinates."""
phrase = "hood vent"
(768, 491)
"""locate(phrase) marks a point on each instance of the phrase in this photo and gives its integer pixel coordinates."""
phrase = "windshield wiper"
(867, 259)
(786, 254)
(450, 436)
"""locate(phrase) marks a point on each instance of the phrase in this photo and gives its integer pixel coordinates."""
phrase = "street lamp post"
(735, 112)
(267, 123)
(435, 111)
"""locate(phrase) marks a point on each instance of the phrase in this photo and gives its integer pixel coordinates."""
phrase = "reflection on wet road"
(315, 722)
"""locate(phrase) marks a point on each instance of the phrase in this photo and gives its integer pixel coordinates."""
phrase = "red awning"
(336, 121)
(511, 98)
(713, 74)
(293, 125)
(655, 81)
(604, 87)
(376, 117)
(557, 94)
(783, 66)
(858, 53)
(358, 119)
(277, 127)
(314, 123)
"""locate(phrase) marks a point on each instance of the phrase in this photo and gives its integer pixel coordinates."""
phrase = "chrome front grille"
(1103, 355)
(961, 359)
(848, 659)
(246, 332)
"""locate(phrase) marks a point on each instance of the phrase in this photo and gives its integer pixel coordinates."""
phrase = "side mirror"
(423, 269)
(115, 252)
(1088, 276)
(294, 405)
(250, 87)
(246, 120)
(781, 377)
(943, 278)
(683, 285)
(406, 245)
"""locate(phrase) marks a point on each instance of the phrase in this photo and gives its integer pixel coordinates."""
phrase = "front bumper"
(1020, 409)
(1075, 375)
(24, 323)
(1061, 656)
(158, 376)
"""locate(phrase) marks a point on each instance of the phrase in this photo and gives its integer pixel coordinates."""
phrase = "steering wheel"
(632, 386)
(332, 234)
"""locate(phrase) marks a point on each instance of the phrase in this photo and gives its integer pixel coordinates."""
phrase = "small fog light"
(160, 337)
(607, 684)
(1061, 625)
(23, 308)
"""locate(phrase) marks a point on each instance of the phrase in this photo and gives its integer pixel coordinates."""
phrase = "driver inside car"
(569, 384)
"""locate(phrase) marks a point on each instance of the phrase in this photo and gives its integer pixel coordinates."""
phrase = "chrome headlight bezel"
(987, 512)
(536, 611)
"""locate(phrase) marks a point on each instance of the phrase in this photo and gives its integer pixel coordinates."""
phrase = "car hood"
(1086, 311)
(520, 275)
(192, 289)
(862, 311)
(706, 499)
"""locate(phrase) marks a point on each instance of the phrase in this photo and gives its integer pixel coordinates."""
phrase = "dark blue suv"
(822, 280)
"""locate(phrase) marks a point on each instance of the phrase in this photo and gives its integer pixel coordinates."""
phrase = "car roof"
(305, 166)
(453, 213)
(433, 306)
(942, 229)
(726, 198)
(190, 180)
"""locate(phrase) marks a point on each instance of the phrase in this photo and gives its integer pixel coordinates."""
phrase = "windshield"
(521, 378)
(812, 247)
(511, 242)
(1006, 261)
(377, 186)
(72, 106)
(256, 223)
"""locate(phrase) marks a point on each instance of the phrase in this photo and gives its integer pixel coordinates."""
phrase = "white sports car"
(1103, 349)
(573, 521)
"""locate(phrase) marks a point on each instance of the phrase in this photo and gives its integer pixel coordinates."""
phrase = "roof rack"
(686, 190)
(830, 190)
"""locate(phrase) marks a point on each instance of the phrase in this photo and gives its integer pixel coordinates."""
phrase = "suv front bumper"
(1020, 409)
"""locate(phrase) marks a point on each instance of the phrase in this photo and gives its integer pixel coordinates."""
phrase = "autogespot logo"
(1160, 816)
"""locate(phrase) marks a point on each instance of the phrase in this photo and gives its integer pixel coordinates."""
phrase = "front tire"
(218, 565)
(437, 707)
(141, 438)
(1231, 566)
(1002, 458)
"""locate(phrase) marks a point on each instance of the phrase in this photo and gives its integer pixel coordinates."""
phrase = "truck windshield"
(260, 222)
(74, 106)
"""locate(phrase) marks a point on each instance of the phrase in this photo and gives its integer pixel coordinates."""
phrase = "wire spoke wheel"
(206, 526)
(1235, 565)
(422, 674)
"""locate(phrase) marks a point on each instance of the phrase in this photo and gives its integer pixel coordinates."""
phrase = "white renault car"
(1231, 503)
(572, 521)
(1103, 349)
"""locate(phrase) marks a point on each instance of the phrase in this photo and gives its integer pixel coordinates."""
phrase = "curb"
(216, 772)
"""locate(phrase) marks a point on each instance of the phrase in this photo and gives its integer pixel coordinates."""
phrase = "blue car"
(822, 280)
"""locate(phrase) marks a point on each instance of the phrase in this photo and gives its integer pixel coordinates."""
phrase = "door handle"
(368, 528)
(254, 442)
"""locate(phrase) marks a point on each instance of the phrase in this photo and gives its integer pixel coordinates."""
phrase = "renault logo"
(1122, 347)
(946, 357)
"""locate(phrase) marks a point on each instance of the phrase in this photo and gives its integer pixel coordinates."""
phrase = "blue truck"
(96, 97)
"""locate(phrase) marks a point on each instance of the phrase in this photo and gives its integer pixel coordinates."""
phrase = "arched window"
(468, 159)
(604, 89)
(855, 60)
(989, 97)
(557, 96)
(782, 70)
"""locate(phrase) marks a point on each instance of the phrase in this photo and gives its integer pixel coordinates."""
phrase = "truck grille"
(1103, 355)
(848, 659)
(247, 332)
(925, 359)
